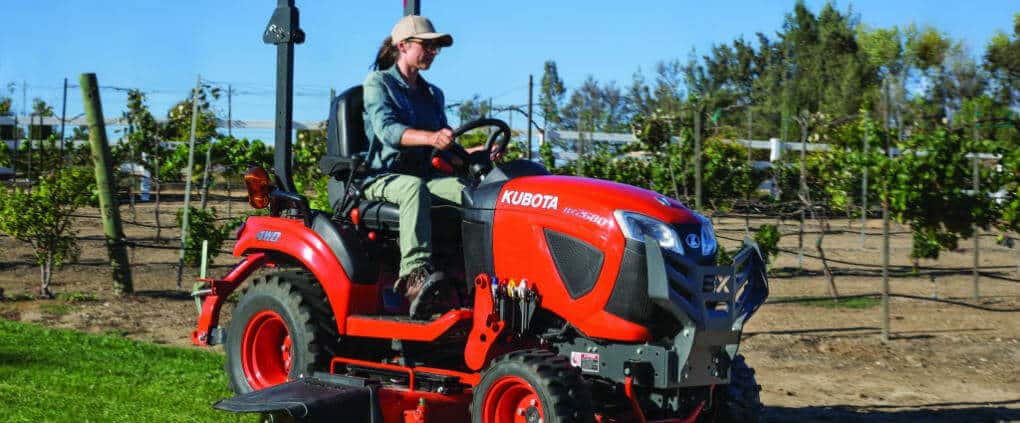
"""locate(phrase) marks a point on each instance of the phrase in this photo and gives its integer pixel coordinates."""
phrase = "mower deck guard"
(314, 398)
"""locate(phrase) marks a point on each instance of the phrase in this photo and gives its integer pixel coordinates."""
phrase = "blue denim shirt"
(391, 107)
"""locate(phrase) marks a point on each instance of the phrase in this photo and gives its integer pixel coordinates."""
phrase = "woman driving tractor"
(405, 120)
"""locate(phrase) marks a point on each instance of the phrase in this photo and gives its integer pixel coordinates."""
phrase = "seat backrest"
(346, 124)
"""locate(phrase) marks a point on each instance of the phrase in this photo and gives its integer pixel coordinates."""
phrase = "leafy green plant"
(202, 225)
(42, 218)
(767, 238)
(76, 297)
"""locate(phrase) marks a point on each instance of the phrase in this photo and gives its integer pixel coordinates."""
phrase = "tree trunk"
(46, 275)
(823, 225)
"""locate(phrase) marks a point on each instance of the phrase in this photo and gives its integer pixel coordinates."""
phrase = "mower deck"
(310, 398)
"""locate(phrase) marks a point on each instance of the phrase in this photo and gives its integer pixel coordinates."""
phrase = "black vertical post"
(412, 7)
(697, 157)
(284, 31)
(230, 111)
(531, 86)
(17, 144)
(63, 118)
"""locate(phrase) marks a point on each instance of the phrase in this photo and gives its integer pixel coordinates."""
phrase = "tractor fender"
(290, 237)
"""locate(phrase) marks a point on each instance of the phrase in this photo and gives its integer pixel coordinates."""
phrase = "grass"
(55, 309)
(855, 302)
(51, 375)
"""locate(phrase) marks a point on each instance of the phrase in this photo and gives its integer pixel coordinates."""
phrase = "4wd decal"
(530, 199)
(268, 236)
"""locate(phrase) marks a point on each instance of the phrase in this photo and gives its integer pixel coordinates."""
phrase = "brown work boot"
(423, 288)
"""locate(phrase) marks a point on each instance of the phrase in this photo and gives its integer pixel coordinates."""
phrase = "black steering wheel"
(477, 164)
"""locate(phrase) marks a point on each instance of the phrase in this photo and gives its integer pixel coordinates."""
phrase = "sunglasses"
(427, 44)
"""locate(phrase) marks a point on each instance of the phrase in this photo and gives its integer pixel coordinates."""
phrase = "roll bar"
(284, 30)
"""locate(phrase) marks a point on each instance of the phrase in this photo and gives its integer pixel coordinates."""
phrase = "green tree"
(43, 218)
(144, 139)
(1002, 61)
(551, 94)
(5, 106)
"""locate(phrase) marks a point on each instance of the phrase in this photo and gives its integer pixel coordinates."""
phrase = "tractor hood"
(588, 199)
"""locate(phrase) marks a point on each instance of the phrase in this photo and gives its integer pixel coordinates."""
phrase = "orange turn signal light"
(256, 179)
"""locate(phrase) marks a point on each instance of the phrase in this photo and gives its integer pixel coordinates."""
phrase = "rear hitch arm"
(207, 332)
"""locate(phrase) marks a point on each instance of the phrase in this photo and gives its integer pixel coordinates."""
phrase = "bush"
(767, 238)
(202, 226)
(42, 217)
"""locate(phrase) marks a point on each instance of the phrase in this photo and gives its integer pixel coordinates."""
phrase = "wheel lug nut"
(520, 411)
(533, 403)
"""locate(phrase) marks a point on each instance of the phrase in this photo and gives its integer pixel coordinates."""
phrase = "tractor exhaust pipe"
(284, 30)
(412, 7)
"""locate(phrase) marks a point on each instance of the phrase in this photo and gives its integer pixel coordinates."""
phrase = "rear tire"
(280, 331)
(739, 401)
(532, 384)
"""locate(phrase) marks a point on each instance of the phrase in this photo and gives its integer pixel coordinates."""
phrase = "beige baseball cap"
(414, 26)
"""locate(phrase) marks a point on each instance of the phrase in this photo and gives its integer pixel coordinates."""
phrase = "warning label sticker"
(588, 362)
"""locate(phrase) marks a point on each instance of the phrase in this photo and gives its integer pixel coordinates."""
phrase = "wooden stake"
(112, 229)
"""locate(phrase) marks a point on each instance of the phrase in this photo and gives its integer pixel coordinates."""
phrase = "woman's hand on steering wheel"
(442, 139)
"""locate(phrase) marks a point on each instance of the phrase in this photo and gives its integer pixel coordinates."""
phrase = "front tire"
(531, 386)
(739, 401)
(273, 335)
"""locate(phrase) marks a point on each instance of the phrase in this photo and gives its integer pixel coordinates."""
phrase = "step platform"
(321, 398)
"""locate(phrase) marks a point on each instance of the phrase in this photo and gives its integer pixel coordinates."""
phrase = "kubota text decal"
(529, 199)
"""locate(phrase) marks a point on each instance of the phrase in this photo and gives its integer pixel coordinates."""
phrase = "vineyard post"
(28, 170)
(230, 111)
(885, 224)
(864, 192)
(63, 118)
(804, 130)
(205, 173)
(14, 154)
(531, 89)
(697, 157)
(977, 187)
(977, 235)
(114, 233)
(187, 182)
(750, 165)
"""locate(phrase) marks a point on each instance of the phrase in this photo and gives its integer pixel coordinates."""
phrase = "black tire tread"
(741, 400)
(297, 290)
(570, 396)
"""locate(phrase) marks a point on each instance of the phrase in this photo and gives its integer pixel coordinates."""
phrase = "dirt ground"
(949, 358)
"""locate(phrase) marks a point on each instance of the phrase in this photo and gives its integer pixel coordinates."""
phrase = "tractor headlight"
(636, 226)
(708, 241)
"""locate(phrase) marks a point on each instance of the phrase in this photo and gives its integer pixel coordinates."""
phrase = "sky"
(161, 47)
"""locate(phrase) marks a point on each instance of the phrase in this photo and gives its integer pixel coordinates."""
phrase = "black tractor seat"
(385, 217)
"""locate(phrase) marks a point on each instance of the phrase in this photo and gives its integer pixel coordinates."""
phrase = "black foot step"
(323, 397)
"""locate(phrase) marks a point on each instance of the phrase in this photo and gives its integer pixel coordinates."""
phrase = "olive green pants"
(414, 197)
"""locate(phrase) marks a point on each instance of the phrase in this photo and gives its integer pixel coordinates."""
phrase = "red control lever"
(442, 165)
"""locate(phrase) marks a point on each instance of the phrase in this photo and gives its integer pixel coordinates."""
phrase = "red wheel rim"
(512, 399)
(265, 350)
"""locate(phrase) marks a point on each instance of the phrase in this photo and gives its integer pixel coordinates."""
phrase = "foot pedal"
(321, 398)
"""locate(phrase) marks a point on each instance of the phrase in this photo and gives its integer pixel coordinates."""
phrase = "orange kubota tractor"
(580, 300)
